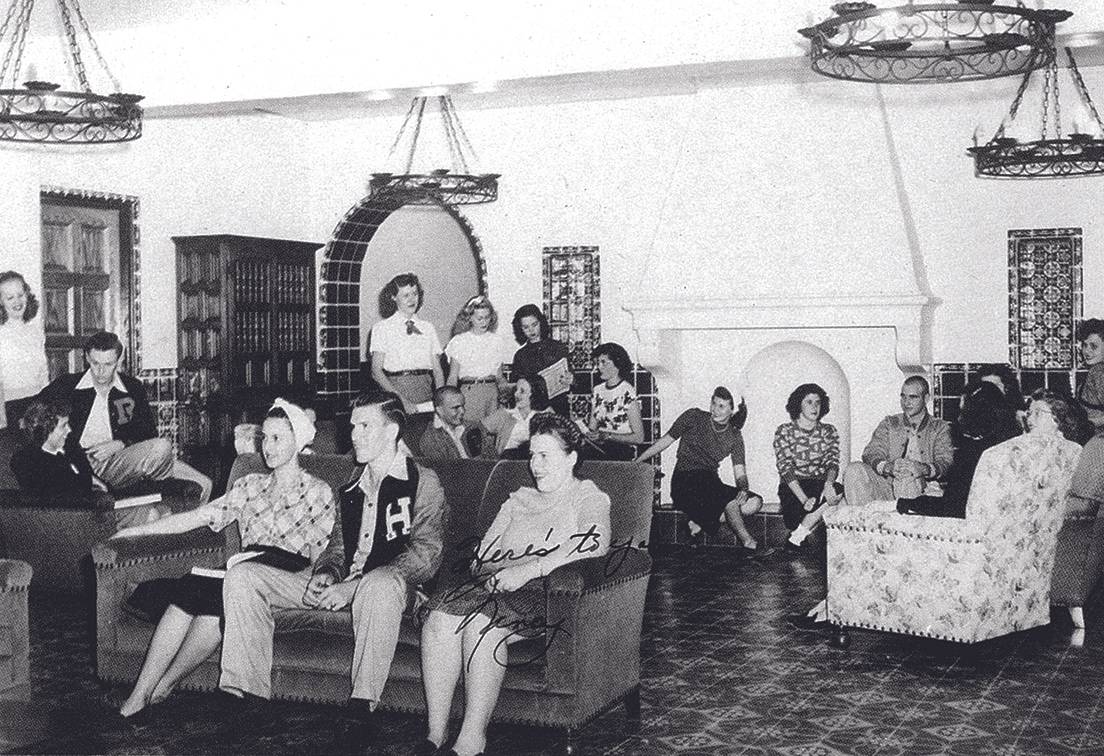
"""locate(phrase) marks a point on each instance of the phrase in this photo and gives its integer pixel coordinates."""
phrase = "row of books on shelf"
(251, 331)
(200, 305)
(251, 282)
(200, 268)
(199, 384)
(293, 331)
(199, 344)
(288, 371)
(292, 284)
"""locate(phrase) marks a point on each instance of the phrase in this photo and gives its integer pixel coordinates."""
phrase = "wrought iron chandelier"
(919, 43)
(1052, 155)
(454, 186)
(40, 111)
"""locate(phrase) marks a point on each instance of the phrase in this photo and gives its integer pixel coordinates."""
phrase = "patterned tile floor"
(722, 674)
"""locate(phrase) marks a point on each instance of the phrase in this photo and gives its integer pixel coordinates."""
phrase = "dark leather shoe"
(806, 623)
(427, 748)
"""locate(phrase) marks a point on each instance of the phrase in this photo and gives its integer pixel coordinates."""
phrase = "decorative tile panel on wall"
(573, 305)
(1044, 297)
(161, 390)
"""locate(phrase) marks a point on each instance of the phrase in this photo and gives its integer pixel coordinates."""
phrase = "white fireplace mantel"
(654, 320)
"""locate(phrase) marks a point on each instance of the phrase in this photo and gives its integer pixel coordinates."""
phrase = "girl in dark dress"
(539, 351)
(288, 509)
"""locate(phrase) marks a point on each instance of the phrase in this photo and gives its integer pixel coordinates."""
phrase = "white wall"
(770, 186)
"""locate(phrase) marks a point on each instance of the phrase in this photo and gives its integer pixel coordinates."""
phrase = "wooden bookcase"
(246, 321)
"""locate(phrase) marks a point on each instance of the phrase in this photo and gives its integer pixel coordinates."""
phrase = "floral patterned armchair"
(962, 580)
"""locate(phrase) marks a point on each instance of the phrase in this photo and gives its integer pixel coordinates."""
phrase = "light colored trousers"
(151, 459)
(861, 485)
(252, 593)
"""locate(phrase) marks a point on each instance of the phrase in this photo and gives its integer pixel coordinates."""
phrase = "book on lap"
(137, 501)
(272, 556)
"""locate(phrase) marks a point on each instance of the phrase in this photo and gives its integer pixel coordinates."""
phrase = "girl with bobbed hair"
(510, 427)
(23, 371)
(615, 423)
(475, 357)
(405, 352)
(539, 352)
(44, 466)
(806, 452)
(478, 611)
(706, 438)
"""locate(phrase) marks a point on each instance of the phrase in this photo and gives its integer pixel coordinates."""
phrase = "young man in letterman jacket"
(386, 542)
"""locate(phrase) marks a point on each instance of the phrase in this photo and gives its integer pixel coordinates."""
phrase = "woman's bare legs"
(201, 640)
(485, 658)
(735, 512)
(166, 641)
(442, 658)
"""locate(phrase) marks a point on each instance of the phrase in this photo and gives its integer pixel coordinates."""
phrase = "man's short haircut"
(103, 342)
(390, 405)
(443, 393)
(921, 381)
(40, 419)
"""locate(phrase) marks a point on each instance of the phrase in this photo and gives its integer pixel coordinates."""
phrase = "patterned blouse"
(806, 454)
(611, 407)
(299, 521)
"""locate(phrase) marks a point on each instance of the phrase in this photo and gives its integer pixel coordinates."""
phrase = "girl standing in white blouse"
(475, 357)
(22, 346)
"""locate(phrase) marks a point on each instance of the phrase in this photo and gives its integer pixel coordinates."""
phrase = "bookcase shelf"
(245, 318)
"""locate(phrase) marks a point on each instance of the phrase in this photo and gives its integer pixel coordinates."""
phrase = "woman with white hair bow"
(285, 518)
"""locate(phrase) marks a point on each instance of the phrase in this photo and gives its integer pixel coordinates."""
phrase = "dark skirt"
(197, 595)
(793, 511)
(703, 496)
(521, 611)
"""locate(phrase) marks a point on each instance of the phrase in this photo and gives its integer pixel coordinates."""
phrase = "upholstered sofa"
(55, 537)
(598, 604)
(15, 578)
(962, 580)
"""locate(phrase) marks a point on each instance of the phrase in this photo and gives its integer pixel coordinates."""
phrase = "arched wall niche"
(340, 345)
(771, 374)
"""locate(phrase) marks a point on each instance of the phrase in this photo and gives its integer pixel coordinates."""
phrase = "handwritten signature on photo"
(479, 567)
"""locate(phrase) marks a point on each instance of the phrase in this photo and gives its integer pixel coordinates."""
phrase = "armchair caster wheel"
(840, 639)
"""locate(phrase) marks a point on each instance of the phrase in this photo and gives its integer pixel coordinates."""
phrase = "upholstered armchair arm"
(14, 575)
(122, 563)
(596, 607)
(882, 517)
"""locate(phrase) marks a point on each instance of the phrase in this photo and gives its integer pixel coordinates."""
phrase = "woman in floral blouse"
(615, 424)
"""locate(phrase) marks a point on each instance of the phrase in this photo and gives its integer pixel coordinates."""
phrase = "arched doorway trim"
(338, 359)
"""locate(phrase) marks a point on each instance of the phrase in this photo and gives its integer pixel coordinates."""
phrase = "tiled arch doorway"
(340, 343)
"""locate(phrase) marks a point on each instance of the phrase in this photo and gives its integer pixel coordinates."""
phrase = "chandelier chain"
(463, 135)
(3, 31)
(1075, 73)
(1046, 100)
(402, 129)
(74, 48)
(1015, 105)
(417, 132)
(19, 38)
(92, 43)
